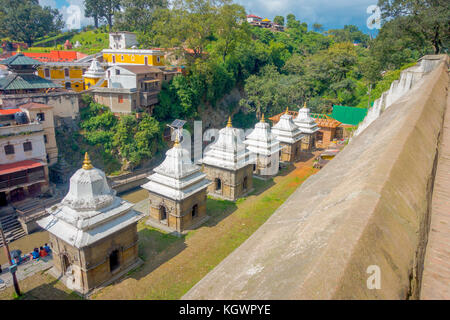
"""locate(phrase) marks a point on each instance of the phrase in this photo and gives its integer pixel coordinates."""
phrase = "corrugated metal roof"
(20, 60)
(23, 82)
(349, 115)
(19, 166)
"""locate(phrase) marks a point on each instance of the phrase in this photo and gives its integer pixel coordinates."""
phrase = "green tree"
(425, 20)
(279, 20)
(93, 9)
(138, 15)
(26, 20)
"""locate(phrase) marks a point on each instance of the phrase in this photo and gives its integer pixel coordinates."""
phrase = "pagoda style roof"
(28, 81)
(286, 130)
(90, 212)
(262, 141)
(177, 177)
(20, 59)
(229, 151)
(305, 122)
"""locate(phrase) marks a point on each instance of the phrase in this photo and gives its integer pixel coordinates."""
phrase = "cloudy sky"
(329, 13)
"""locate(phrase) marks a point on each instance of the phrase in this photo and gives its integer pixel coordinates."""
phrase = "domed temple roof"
(177, 177)
(305, 122)
(90, 211)
(95, 70)
(286, 130)
(229, 151)
(261, 140)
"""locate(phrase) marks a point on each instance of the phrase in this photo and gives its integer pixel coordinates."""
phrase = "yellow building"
(67, 74)
(133, 56)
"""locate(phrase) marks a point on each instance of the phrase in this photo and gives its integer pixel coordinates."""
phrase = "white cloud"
(73, 14)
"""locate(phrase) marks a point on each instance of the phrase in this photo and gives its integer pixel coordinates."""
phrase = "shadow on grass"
(261, 186)
(286, 170)
(48, 291)
(218, 210)
(156, 248)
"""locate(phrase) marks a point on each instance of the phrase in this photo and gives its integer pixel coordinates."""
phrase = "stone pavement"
(24, 270)
(436, 274)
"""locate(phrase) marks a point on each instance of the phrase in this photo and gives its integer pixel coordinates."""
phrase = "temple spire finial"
(229, 124)
(287, 110)
(18, 49)
(177, 141)
(262, 119)
(304, 105)
(87, 165)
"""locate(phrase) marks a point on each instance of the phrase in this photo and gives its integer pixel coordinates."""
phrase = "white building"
(308, 126)
(263, 143)
(122, 40)
(229, 164)
(290, 136)
(93, 233)
(177, 191)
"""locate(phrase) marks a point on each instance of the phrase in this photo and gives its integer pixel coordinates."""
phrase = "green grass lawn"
(174, 265)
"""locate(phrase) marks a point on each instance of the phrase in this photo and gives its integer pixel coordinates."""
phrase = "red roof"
(5, 112)
(19, 166)
(55, 56)
(253, 16)
(35, 105)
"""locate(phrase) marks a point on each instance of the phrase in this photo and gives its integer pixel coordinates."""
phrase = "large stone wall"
(367, 207)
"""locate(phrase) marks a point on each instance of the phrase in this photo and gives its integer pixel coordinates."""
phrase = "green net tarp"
(349, 115)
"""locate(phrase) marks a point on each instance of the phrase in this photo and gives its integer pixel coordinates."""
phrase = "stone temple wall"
(368, 207)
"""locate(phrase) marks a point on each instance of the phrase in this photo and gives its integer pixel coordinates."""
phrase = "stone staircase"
(11, 228)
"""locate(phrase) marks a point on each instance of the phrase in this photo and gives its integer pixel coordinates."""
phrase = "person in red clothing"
(42, 252)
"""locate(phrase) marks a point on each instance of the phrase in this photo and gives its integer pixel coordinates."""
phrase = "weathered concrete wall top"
(369, 206)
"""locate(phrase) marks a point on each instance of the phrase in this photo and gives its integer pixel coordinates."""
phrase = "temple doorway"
(194, 211)
(162, 213)
(114, 260)
(245, 184)
(3, 201)
(218, 183)
(66, 264)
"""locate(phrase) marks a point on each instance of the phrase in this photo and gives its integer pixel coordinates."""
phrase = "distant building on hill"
(122, 40)
(263, 23)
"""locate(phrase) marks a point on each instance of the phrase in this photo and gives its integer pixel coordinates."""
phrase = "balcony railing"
(23, 129)
(21, 178)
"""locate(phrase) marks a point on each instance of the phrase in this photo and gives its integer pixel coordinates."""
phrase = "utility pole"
(8, 255)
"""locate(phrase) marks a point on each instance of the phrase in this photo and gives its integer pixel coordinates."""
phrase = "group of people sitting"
(37, 253)
(40, 253)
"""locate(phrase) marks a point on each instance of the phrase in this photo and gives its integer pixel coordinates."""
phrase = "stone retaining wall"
(367, 207)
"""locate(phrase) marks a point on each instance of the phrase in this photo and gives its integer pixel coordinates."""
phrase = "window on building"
(114, 59)
(66, 73)
(194, 211)
(120, 98)
(245, 184)
(68, 85)
(117, 72)
(114, 260)
(27, 146)
(48, 158)
(45, 138)
(41, 116)
(9, 149)
(158, 59)
(47, 73)
(146, 60)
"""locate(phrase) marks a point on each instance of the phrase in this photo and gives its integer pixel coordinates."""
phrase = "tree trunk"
(96, 21)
